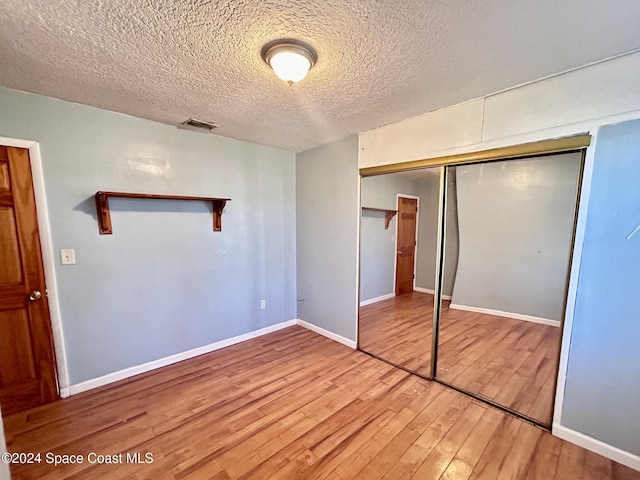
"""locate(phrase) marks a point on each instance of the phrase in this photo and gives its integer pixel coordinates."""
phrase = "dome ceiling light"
(290, 59)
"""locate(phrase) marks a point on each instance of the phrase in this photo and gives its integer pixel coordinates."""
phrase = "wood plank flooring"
(511, 362)
(399, 330)
(289, 405)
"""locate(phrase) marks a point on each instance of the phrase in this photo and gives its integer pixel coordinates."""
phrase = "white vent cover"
(198, 125)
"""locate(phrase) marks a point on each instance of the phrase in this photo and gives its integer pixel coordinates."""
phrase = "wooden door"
(27, 365)
(406, 240)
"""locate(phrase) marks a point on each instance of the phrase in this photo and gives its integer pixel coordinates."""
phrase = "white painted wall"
(415, 138)
(571, 103)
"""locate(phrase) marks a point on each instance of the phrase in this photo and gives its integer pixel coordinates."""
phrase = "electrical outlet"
(67, 256)
(263, 304)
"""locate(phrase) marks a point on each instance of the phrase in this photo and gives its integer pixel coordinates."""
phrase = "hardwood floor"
(399, 330)
(511, 362)
(293, 404)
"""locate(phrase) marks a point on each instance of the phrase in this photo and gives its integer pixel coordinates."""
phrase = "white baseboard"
(432, 292)
(162, 362)
(377, 299)
(597, 446)
(499, 313)
(328, 334)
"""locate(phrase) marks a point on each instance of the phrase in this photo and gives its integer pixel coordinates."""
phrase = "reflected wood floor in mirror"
(511, 362)
(293, 404)
(399, 330)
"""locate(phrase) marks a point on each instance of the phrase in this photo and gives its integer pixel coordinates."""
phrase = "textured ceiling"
(379, 61)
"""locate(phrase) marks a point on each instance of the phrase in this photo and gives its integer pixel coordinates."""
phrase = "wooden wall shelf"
(104, 215)
(388, 214)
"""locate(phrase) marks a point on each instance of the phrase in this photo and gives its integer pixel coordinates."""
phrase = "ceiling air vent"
(198, 125)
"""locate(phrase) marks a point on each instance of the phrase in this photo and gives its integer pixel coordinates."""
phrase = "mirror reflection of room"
(507, 244)
(397, 262)
(500, 327)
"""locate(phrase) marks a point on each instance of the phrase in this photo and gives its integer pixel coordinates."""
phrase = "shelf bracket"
(388, 214)
(104, 214)
(218, 206)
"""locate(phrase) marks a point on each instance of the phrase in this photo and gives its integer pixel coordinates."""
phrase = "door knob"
(35, 295)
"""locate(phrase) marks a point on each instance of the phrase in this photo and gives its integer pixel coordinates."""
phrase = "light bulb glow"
(290, 66)
(290, 59)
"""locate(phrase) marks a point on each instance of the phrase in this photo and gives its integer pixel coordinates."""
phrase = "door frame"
(48, 257)
(395, 243)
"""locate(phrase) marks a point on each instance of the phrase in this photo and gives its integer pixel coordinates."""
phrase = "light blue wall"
(377, 245)
(377, 256)
(428, 233)
(327, 236)
(164, 282)
(602, 392)
(515, 223)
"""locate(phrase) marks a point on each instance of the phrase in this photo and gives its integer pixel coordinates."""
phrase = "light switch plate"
(67, 256)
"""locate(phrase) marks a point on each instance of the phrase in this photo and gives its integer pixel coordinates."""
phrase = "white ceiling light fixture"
(290, 59)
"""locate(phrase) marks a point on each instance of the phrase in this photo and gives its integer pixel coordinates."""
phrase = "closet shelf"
(104, 215)
(388, 214)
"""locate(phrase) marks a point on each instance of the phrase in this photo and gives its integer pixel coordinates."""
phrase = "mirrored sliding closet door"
(508, 247)
(398, 238)
(464, 272)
